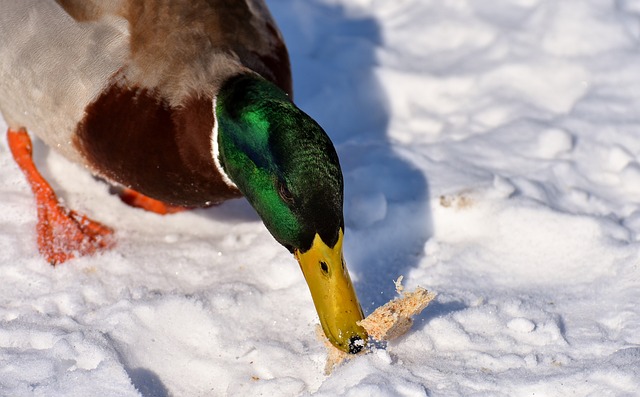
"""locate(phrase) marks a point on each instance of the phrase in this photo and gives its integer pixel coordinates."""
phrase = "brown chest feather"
(134, 138)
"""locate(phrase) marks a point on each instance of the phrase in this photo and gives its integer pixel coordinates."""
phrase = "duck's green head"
(287, 168)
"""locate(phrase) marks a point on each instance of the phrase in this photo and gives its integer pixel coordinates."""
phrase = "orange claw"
(62, 234)
(139, 200)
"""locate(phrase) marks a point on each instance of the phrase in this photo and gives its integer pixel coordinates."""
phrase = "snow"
(491, 153)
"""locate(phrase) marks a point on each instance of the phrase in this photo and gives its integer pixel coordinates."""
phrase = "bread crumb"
(387, 322)
(459, 201)
(394, 319)
(398, 283)
(335, 356)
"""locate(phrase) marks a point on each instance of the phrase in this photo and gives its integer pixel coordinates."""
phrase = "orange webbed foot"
(139, 200)
(62, 234)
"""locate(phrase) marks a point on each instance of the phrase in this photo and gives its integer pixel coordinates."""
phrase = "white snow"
(491, 153)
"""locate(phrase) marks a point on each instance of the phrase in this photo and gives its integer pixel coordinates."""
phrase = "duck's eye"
(284, 193)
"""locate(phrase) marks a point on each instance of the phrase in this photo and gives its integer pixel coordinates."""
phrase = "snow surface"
(491, 153)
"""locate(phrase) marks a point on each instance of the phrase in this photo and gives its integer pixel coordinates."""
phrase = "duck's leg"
(139, 200)
(62, 234)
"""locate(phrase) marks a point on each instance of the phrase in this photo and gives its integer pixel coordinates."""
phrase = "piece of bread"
(387, 322)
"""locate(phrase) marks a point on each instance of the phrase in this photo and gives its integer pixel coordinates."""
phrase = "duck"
(179, 104)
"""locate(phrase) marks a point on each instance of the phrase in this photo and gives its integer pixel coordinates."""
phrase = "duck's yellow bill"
(333, 294)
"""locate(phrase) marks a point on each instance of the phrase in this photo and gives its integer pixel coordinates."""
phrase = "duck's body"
(126, 88)
(187, 102)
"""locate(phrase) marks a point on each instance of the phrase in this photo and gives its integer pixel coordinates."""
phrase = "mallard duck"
(183, 103)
